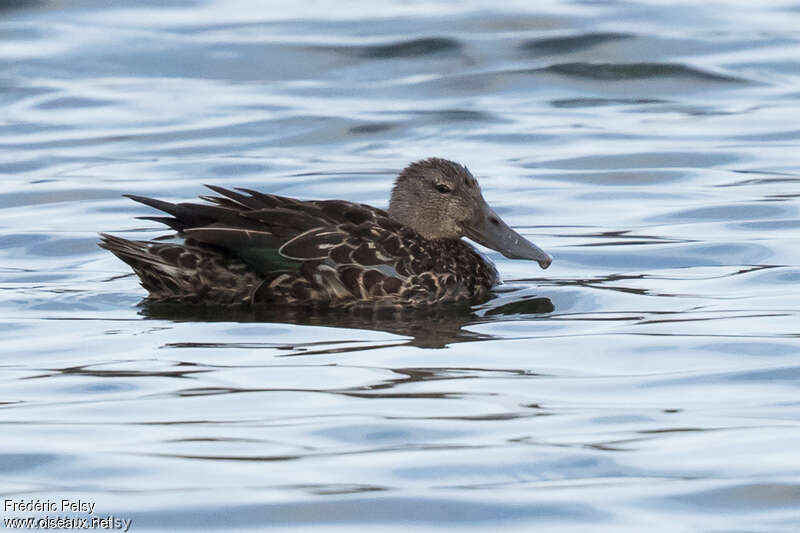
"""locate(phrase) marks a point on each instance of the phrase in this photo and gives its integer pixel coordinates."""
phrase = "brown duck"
(249, 248)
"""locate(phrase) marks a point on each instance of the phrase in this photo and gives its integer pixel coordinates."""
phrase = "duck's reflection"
(428, 328)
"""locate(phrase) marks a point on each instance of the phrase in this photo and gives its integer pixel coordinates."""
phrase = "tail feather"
(132, 252)
(160, 267)
(173, 223)
(247, 202)
(161, 205)
(189, 215)
(190, 274)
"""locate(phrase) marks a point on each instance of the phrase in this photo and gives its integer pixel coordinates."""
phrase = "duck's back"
(252, 248)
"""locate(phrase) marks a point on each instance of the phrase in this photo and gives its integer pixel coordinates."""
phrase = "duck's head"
(441, 199)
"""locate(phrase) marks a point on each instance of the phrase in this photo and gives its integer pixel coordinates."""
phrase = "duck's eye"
(442, 188)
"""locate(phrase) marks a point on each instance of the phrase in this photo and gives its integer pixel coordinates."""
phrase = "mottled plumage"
(249, 248)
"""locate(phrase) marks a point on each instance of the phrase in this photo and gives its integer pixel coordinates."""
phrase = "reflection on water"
(437, 327)
(646, 381)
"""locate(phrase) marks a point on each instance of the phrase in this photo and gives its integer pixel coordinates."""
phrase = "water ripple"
(649, 374)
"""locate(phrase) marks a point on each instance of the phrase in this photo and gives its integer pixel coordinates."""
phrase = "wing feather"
(314, 245)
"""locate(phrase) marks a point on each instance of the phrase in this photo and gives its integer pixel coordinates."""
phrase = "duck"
(242, 247)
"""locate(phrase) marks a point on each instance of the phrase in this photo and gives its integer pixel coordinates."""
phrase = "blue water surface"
(648, 381)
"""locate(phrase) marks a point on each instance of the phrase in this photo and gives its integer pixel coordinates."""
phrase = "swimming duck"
(248, 248)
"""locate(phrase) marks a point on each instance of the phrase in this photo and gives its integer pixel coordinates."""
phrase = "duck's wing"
(343, 250)
(278, 216)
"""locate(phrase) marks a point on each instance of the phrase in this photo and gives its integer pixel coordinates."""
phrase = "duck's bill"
(489, 230)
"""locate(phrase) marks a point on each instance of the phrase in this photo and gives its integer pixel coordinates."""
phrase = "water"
(647, 381)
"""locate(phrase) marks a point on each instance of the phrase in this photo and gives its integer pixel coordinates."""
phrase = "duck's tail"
(165, 270)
